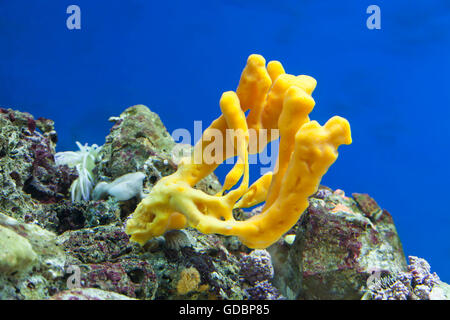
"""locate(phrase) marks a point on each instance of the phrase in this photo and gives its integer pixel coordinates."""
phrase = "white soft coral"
(84, 161)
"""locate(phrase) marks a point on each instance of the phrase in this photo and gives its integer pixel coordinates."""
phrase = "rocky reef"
(343, 247)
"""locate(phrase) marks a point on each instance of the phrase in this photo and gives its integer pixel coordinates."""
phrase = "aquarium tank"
(224, 150)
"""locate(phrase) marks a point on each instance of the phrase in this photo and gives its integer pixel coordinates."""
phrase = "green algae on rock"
(67, 215)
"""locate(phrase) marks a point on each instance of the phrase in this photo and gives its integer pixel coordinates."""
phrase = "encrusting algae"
(279, 105)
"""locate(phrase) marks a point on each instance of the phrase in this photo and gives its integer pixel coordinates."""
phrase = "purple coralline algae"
(137, 135)
(263, 290)
(256, 266)
(29, 176)
(257, 272)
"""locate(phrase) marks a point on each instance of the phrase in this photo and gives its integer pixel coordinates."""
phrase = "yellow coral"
(279, 105)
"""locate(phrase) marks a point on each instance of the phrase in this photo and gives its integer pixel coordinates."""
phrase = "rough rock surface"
(16, 253)
(109, 261)
(87, 239)
(417, 283)
(66, 215)
(89, 294)
(138, 141)
(257, 273)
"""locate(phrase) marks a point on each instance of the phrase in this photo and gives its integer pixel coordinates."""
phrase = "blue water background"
(178, 57)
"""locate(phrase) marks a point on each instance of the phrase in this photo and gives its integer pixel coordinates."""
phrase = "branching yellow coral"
(279, 105)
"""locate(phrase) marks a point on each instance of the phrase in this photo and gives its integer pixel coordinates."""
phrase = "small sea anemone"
(263, 290)
(84, 161)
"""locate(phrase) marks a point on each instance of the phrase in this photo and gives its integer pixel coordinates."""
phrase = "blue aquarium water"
(177, 57)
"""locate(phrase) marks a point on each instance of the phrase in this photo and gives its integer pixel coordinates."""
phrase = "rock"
(137, 134)
(338, 245)
(123, 188)
(256, 275)
(89, 294)
(28, 167)
(49, 244)
(417, 283)
(107, 260)
(67, 215)
(97, 245)
(35, 265)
